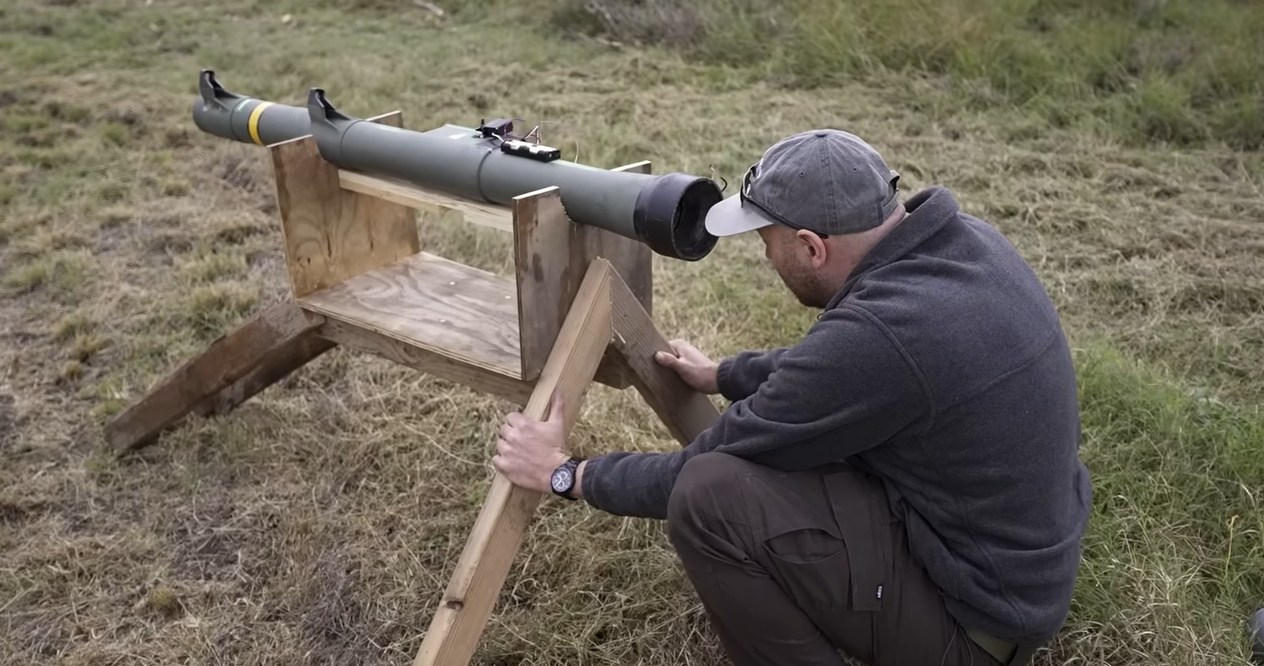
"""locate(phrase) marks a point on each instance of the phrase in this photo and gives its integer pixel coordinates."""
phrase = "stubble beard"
(805, 285)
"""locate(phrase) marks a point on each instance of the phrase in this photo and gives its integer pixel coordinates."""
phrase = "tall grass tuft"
(1181, 72)
(1174, 558)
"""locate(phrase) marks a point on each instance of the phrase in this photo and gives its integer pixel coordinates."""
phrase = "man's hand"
(692, 365)
(528, 450)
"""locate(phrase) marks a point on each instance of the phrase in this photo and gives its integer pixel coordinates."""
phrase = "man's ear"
(818, 251)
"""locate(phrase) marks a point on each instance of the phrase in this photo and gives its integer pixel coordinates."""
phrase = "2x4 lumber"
(352, 336)
(272, 368)
(684, 411)
(420, 198)
(498, 531)
(442, 306)
(235, 366)
(332, 234)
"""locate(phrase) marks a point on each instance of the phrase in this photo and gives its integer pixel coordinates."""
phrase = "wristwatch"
(563, 479)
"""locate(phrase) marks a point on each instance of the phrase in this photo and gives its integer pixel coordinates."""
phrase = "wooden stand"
(577, 311)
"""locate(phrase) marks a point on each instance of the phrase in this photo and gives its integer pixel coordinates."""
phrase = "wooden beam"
(236, 365)
(273, 367)
(684, 411)
(497, 534)
(545, 273)
(414, 196)
(353, 336)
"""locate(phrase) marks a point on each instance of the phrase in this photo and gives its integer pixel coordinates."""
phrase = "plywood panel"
(330, 233)
(551, 253)
(351, 336)
(548, 275)
(451, 309)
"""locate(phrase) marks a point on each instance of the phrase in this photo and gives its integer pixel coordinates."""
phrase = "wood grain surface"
(448, 308)
(684, 411)
(551, 255)
(546, 273)
(332, 234)
(433, 363)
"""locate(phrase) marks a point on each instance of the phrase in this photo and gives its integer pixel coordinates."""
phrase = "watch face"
(561, 480)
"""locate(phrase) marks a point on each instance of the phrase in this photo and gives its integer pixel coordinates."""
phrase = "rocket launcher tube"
(666, 212)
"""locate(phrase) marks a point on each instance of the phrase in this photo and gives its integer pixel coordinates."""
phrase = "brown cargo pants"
(794, 567)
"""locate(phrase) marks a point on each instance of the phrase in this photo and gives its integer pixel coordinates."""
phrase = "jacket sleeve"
(741, 374)
(846, 387)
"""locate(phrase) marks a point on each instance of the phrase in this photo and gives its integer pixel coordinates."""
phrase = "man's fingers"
(666, 359)
(686, 354)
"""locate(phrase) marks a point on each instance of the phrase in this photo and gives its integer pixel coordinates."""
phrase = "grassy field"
(320, 521)
(1181, 71)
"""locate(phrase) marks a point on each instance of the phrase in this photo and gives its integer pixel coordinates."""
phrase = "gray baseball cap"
(822, 180)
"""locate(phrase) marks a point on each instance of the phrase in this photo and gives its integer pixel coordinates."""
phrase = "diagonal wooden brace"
(498, 531)
(236, 366)
(684, 411)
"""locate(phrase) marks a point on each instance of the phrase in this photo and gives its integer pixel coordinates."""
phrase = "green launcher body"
(667, 212)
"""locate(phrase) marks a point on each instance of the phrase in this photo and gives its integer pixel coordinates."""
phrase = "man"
(903, 484)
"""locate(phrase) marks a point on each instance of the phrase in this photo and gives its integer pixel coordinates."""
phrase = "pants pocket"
(823, 536)
(812, 566)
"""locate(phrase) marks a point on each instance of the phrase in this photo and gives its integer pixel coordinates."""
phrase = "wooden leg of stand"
(281, 361)
(267, 347)
(497, 534)
(684, 411)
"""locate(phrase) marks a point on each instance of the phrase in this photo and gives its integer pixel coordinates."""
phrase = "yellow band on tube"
(253, 123)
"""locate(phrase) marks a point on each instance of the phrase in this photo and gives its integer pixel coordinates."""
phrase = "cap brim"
(729, 218)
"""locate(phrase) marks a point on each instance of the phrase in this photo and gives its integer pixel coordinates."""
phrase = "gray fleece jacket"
(941, 367)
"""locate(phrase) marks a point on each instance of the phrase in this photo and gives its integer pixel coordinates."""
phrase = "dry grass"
(319, 522)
